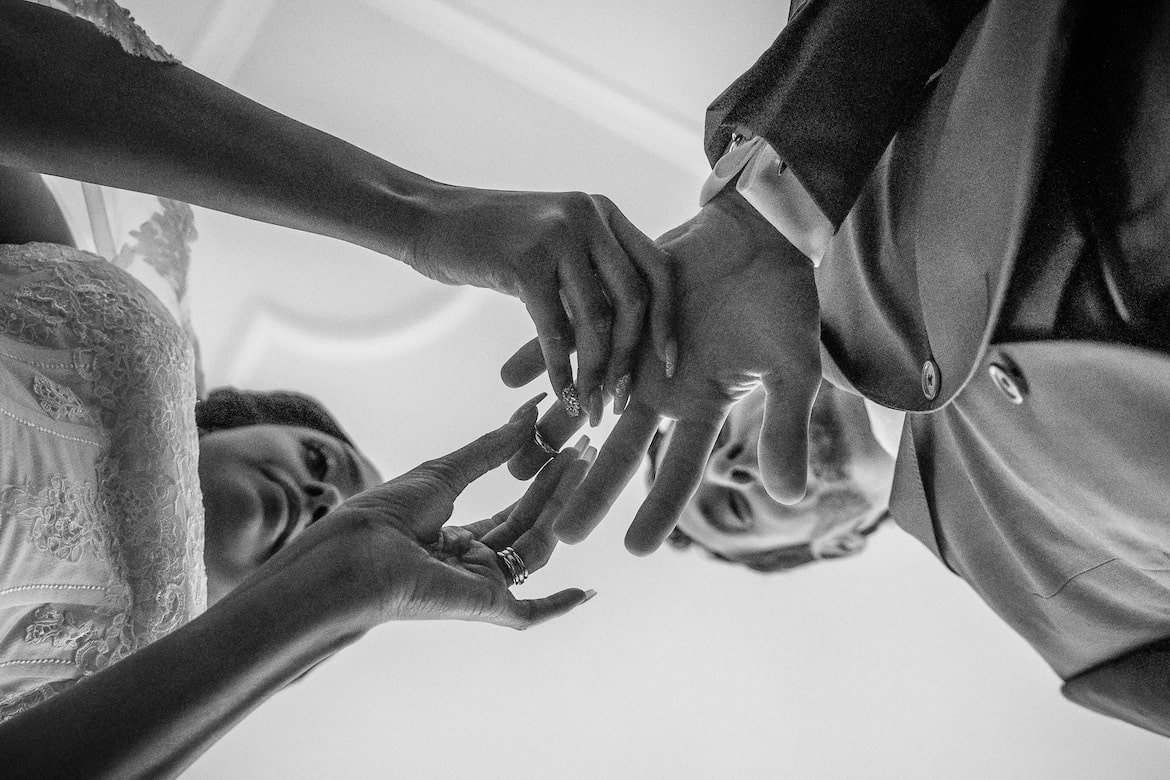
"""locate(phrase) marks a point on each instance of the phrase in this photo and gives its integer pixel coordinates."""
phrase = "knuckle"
(442, 472)
(603, 203)
(600, 323)
(578, 204)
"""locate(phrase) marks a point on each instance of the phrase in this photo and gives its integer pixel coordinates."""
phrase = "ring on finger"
(540, 442)
(514, 564)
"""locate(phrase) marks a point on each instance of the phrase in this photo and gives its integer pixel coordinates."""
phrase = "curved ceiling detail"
(269, 327)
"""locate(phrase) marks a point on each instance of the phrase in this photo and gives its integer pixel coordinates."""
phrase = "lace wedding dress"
(101, 517)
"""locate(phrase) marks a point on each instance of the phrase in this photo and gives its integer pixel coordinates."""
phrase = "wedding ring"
(540, 442)
(515, 565)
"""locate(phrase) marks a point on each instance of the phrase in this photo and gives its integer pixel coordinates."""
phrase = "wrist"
(395, 211)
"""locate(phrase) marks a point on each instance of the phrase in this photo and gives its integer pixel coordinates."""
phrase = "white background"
(884, 666)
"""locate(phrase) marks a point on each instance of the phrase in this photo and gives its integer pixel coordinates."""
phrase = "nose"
(321, 498)
(734, 464)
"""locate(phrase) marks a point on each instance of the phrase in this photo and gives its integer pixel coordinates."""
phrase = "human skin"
(76, 105)
(849, 483)
(383, 555)
(262, 486)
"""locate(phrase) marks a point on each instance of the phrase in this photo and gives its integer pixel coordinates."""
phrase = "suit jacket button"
(930, 380)
(1008, 379)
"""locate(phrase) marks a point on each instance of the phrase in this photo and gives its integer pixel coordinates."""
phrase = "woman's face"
(264, 484)
(848, 482)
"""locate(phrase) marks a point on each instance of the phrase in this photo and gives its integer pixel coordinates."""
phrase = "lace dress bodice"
(101, 516)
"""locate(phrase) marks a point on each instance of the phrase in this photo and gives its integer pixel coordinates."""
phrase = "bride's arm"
(156, 711)
(76, 105)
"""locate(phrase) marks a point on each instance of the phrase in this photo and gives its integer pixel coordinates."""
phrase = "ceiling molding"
(268, 328)
(560, 81)
(225, 41)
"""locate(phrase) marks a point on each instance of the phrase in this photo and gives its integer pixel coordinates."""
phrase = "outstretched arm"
(383, 555)
(76, 105)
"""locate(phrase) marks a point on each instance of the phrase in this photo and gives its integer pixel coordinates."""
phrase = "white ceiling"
(886, 666)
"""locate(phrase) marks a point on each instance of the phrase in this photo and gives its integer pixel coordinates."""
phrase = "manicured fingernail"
(589, 455)
(581, 444)
(593, 404)
(588, 595)
(671, 358)
(621, 394)
(527, 407)
(569, 399)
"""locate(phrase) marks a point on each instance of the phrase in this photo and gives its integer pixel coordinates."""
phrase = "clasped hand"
(748, 314)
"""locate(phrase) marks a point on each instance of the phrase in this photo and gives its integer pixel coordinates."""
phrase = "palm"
(748, 314)
(412, 567)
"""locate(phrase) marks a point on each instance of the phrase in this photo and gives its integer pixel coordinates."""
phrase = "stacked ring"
(540, 442)
(515, 565)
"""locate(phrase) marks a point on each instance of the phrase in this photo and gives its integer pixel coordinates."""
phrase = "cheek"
(233, 521)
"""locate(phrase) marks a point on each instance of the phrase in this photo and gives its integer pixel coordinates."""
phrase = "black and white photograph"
(585, 390)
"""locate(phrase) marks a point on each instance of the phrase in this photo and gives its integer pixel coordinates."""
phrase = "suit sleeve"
(835, 86)
(1134, 688)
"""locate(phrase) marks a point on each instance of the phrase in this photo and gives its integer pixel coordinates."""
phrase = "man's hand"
(748, 314)
(591, 281)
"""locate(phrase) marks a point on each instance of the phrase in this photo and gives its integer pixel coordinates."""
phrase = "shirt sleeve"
(771, 188)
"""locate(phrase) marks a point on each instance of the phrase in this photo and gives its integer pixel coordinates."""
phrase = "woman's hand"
(401, 563)
(590, 280)
(748, 315)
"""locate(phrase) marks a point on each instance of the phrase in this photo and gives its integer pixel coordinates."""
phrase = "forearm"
(156, 711)
(76, 105)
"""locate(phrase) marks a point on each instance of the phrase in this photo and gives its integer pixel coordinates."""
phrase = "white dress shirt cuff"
(772, 189)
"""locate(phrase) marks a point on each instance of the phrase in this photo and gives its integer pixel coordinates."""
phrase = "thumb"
(783, 450)
(470, 462)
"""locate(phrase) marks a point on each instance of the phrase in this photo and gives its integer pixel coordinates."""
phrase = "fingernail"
(581, 444)
(621, 394)
(671, 358)
(569, 399)
(589, 455)
(588, 595)
(527, 407)
(594, 406)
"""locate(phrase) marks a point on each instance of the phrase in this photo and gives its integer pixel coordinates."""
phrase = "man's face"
(848, 484)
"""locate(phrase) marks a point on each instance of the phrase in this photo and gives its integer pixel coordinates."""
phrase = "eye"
(318, 459)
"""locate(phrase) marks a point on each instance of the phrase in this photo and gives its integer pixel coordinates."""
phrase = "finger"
(456, 470)
(555, 334)
(556, 428)
(529, 506)
(535, 546)
(525, 365)
(674, 484)
(628, 297)
(618, 461)
(592, 322)
(453, 541)
(525, 613)
(783, 451)
(480, 528)
(655, 266)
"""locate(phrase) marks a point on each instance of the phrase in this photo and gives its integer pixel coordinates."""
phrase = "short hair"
(783, 558)
(230, 407)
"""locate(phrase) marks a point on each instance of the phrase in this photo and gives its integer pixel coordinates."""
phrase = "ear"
(839, 543)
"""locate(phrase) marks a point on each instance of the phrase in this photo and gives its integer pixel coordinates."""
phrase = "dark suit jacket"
(1053, 508)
